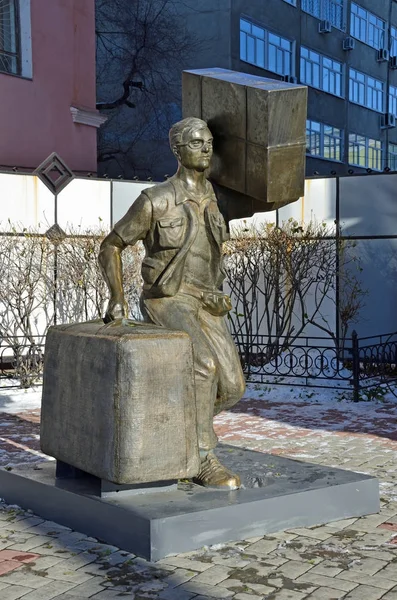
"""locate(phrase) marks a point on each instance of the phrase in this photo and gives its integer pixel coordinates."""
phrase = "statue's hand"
(117, 309)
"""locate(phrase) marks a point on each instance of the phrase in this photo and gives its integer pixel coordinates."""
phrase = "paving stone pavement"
(354, 559)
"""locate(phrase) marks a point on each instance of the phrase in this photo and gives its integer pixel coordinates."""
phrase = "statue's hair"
(188, 125)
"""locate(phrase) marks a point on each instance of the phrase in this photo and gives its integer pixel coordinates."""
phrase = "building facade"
(47, 83)
(346, 52)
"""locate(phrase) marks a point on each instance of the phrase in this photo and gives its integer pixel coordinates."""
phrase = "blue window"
(321, 72)
(365, 152)
(329, 10)
(265, 49)
(323, 140)
(367, 27)
(366, 90)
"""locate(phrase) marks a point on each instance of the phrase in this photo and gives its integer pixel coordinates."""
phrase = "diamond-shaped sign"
(54, 173)
(55, 234)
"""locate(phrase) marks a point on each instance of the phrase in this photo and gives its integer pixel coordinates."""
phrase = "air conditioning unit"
(349, 43)
(383, 55)
(290, 79)
(387, 120)
(393, 61)
(324, 27)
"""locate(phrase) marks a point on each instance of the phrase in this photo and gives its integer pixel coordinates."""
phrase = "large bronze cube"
(259, 128)
(119, 401)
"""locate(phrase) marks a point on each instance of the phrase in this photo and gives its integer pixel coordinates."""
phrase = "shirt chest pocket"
(219, 227)
(170, 232)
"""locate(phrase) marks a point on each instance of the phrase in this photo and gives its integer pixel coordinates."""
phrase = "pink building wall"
(35, 116)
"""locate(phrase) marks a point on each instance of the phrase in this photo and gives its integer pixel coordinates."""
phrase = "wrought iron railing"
(358, 364)
(21, 361)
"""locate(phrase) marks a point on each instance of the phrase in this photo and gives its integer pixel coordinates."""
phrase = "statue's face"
(196, 151)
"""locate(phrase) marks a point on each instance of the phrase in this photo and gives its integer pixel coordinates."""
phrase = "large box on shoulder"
(119, 401)
(259, 128)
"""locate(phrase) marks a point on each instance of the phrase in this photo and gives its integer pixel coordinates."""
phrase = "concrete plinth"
(278, 494)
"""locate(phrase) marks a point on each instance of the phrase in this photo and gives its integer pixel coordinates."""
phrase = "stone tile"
(185, 563)
(365, 592)
(287, 595)
(53, 550)
(6, 566)
(109, 594)
(212, 576)
(34, 541)
(328, 568)
(27, 523)
(260, 589)
(389, 572)
(177, 594)
(60, 572)
(13, 592)
(254, 570)
(324, 593)
(236, 560)
(49, 591)
(244, 596)
(343, 524)
(263, 547)
(24, 557)
(392, 595)
(293, 568)
(371, 580)
(85, 590)
(208, 590)
(368, 566)
(25, 577)
(45, 562)
(322, 580)
(179, 577)
(50, 528)
(320, 533)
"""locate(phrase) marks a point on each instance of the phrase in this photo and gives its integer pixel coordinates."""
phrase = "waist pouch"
(216, 303)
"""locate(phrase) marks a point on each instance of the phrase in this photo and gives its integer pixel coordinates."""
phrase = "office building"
(346, 52)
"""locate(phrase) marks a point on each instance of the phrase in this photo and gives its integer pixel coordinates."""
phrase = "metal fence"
(21, 361)
(360, 364)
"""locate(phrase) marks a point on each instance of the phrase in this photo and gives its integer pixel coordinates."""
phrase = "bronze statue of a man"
(183, 230)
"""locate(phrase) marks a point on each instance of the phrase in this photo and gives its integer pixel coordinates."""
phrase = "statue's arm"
(111, 267)
(132, 227)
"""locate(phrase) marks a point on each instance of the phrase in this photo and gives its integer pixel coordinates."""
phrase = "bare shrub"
(26, 294)
(283, 279)
(81, 291)
(52, 281)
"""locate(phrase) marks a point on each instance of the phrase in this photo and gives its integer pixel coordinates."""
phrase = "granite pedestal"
(277, 494)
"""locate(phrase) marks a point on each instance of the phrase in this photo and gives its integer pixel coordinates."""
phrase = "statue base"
(277, 494)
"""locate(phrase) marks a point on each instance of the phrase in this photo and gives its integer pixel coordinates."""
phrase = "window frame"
(368, 90)
(393, 100)
(392, 156)
(16, 28)
(367, 148)
(324, 10)
(321, 67)
(322, 135)
(393, 41)
(266, 41)
(368, 24)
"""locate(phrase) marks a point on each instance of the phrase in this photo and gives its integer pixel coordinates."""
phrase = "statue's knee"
(207, 367)
(237, 391)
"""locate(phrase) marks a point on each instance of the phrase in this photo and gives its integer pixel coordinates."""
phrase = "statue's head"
(191, 142)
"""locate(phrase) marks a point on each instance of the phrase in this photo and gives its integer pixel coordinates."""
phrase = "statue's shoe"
(214, 474)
